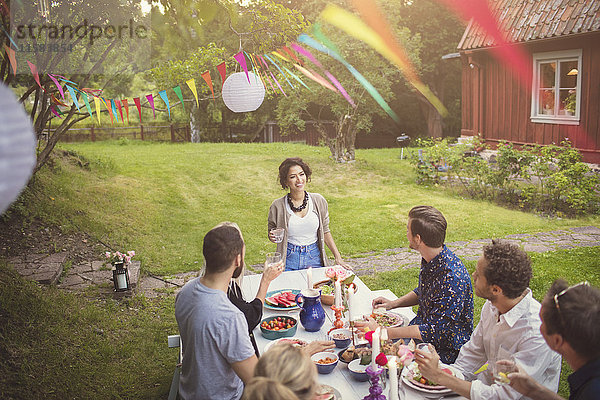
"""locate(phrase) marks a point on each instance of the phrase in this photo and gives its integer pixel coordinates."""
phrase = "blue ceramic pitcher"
(312, 315)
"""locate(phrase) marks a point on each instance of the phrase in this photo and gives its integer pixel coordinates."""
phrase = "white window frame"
(556, 56)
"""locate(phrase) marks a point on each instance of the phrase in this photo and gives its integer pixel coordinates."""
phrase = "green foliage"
(549, 179)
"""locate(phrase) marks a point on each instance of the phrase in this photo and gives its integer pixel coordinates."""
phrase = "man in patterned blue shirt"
(444, 294)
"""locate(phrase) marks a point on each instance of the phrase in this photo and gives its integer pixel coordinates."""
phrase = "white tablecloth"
(340, 378)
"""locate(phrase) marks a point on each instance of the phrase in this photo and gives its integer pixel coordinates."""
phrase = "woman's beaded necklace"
(301, 206)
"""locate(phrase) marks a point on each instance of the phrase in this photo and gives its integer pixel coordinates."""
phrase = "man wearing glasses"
(509, 328)
(571, 327)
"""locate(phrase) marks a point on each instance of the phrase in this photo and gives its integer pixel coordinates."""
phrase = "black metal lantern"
(121, 277)
(403, 141)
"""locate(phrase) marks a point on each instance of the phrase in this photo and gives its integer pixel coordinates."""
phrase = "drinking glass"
(424, 348)
(273, 258)
(501, 370)
(278, 235)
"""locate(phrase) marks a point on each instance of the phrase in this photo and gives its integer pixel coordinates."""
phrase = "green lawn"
(159, 199)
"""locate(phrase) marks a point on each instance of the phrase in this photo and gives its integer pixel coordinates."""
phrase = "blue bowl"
(325, 368)
(272, 335)
(357, 371)
(341, 343)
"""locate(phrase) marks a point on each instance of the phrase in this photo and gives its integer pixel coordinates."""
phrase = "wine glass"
(278, 235)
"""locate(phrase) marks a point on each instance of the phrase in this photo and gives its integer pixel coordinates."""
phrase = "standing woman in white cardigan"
(305, 218)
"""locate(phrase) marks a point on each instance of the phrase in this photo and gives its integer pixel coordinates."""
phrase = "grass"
(572, 265)
(159, 199)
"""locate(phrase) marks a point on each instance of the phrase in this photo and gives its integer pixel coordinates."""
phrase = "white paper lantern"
(17, 148)
(240, 95)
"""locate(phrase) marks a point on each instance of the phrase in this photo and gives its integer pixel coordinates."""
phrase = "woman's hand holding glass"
(276, 235)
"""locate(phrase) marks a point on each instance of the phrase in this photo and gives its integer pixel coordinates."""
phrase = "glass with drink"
(278, 235)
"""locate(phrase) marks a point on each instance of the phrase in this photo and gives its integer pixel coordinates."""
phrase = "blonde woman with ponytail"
(284, 372)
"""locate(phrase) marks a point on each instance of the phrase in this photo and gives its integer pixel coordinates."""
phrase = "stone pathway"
(48, 269)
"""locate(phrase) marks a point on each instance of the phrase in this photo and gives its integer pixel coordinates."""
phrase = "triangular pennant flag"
(221, 69)
(293, 55)
(58, 85)
(177, 91)
(270, 73)
(11, 57)
(120, 110)
(163, 95)
(126, 105)
(106, 104)
(113, 106)
(206, 77)
(73, 96)
(54, 112)
(254, 68)
(151, 102)
(282, 73)
(87, 103)
(239, 57)
(258, 68)
(34, 71)
(192, 85)
(97, 104)
(136, 100)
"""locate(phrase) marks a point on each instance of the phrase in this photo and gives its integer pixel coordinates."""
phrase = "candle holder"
(338, 323)
(375, 391)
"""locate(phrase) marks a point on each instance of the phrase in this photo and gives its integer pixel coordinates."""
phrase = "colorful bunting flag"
(208, 80)
(239, 57)
(73, 96)
(97, 104)
(163, 95)
(292, 54)
(136, 100)
(114, 109)
(87, 103)
(282, 73)
(316, 77)
(270, 73)
(126, 109)
(221, 69)
(11, 57)
(296, 77)
(177, 91)
(107, 105)
(58, 85)
(275, 53)
(192, 85)
(54, 112)
(151, 102)
(34, 71)
(120, 110)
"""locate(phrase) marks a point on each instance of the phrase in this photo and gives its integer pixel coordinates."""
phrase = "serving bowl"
(271, 329)
(328, 367)
(357, 371)
(341, 343)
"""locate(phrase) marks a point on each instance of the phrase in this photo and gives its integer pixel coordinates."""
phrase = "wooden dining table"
(340, 378)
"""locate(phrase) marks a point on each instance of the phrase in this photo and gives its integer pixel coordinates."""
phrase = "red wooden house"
(562, 42)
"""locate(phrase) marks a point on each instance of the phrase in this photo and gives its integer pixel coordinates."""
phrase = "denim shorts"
(302, 257)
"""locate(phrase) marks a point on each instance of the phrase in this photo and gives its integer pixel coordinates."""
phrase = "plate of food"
(282, 300)
(389, 319)
(411, 376)
(294, 341)
(326, 392)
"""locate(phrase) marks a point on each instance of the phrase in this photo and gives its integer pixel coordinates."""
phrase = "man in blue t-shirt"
(444, 294)
(218, 357)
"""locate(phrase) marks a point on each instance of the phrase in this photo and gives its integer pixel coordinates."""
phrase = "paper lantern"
(17, 148)
(243, 94)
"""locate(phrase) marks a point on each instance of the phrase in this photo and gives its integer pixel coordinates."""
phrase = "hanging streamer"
(192, 85)
(163, 96)
(316, 77)
(208, 80)
(270, 73)
(256, 61)
(58, 85)
(139, 107)
(329, 75)
(293, 55)
(54, 112)
(355, 27)
(97, 104)
(151, 102)
(296, 77)
(114, 109)
(239, 57)
(279, 69)
(277, 54)
(126, 105)
(11, 57)
(120, 110)
(221, 69)
(107, 105)
(329, 48)
(177, 91)
(34, 71)
(87, 103)
(73, 96)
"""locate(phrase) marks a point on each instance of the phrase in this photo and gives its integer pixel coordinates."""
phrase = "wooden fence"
(172, 133)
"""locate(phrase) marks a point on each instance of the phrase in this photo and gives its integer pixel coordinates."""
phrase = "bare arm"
(429, 367)
(408, 300)
(526, 385)
(336, 254)
(245, 369)
(269, 274)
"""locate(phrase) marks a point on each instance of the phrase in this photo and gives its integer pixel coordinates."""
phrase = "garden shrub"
(550, 179)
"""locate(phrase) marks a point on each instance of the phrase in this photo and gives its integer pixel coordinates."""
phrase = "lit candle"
(351, 304)
(375, 347)
(393, 369)
(384, 334)
(309, 276)
(338, 294)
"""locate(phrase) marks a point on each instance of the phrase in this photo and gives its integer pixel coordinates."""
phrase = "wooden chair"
(175, 341)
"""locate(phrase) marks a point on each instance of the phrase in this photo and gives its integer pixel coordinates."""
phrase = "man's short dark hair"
(578, 321)
(288, 163)
(430, 224)
(508, 266)
(221, 245)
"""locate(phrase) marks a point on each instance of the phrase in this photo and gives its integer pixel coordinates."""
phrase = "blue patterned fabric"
(445, 315)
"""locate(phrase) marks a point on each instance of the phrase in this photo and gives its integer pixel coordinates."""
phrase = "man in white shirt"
(509, 328)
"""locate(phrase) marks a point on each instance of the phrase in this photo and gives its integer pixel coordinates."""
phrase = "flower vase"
(120, 276)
